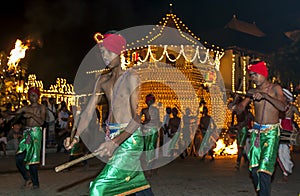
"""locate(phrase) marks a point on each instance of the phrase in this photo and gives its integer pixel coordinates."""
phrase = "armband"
(76, 137)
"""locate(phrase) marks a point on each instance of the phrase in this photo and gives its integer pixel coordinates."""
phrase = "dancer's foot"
(27, 184)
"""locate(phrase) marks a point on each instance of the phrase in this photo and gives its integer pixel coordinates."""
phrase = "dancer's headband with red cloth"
(33, 90)
(112, 42)
(260, 68)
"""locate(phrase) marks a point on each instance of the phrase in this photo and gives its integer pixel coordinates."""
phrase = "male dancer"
(30, 146)
(268, 102)
(284, 157)
(125, 143)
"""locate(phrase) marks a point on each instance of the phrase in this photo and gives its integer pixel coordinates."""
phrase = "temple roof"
(244, 27)
(247, 37)
(293, 35)
(170, 30)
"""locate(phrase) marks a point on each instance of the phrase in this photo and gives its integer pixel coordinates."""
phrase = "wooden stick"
(75, 161)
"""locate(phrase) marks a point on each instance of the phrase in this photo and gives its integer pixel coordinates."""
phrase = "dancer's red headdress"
(112, 42)
(260, 68)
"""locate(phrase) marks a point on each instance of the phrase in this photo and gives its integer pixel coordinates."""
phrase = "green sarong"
(264, 155)
(31, 143)
(123, 174)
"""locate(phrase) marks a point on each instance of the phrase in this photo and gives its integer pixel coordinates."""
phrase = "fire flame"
(16, 54)
(222, 149)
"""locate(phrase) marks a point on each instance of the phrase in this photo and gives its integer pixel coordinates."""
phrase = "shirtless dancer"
(268, 102)
(28, 153)
(125, 143)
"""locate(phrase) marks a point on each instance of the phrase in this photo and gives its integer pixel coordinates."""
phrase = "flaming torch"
(12, 73)
(16, 55)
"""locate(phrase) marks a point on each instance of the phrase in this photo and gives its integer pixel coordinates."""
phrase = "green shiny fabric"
(264, 156)
(31, 143)
(150, 143)
(123, 173)
(241, 137)
(76, 150)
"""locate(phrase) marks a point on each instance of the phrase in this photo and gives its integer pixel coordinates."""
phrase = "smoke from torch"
(16, 54)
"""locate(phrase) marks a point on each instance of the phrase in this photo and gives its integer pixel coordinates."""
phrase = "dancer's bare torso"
(122, 95)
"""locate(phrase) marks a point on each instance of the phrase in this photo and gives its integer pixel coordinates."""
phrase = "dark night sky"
(66, 27)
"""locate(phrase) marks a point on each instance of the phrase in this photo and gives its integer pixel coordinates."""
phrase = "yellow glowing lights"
(186, 53)
(62, 86)
(32, 81)
(232, 73)
(244, 74)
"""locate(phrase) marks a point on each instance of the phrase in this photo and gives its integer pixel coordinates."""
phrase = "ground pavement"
(190, 177)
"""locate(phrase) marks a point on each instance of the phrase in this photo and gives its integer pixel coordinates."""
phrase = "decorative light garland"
(33, 82)
(182, 53)
(62, 86)
(232, 73)
(244, 74)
